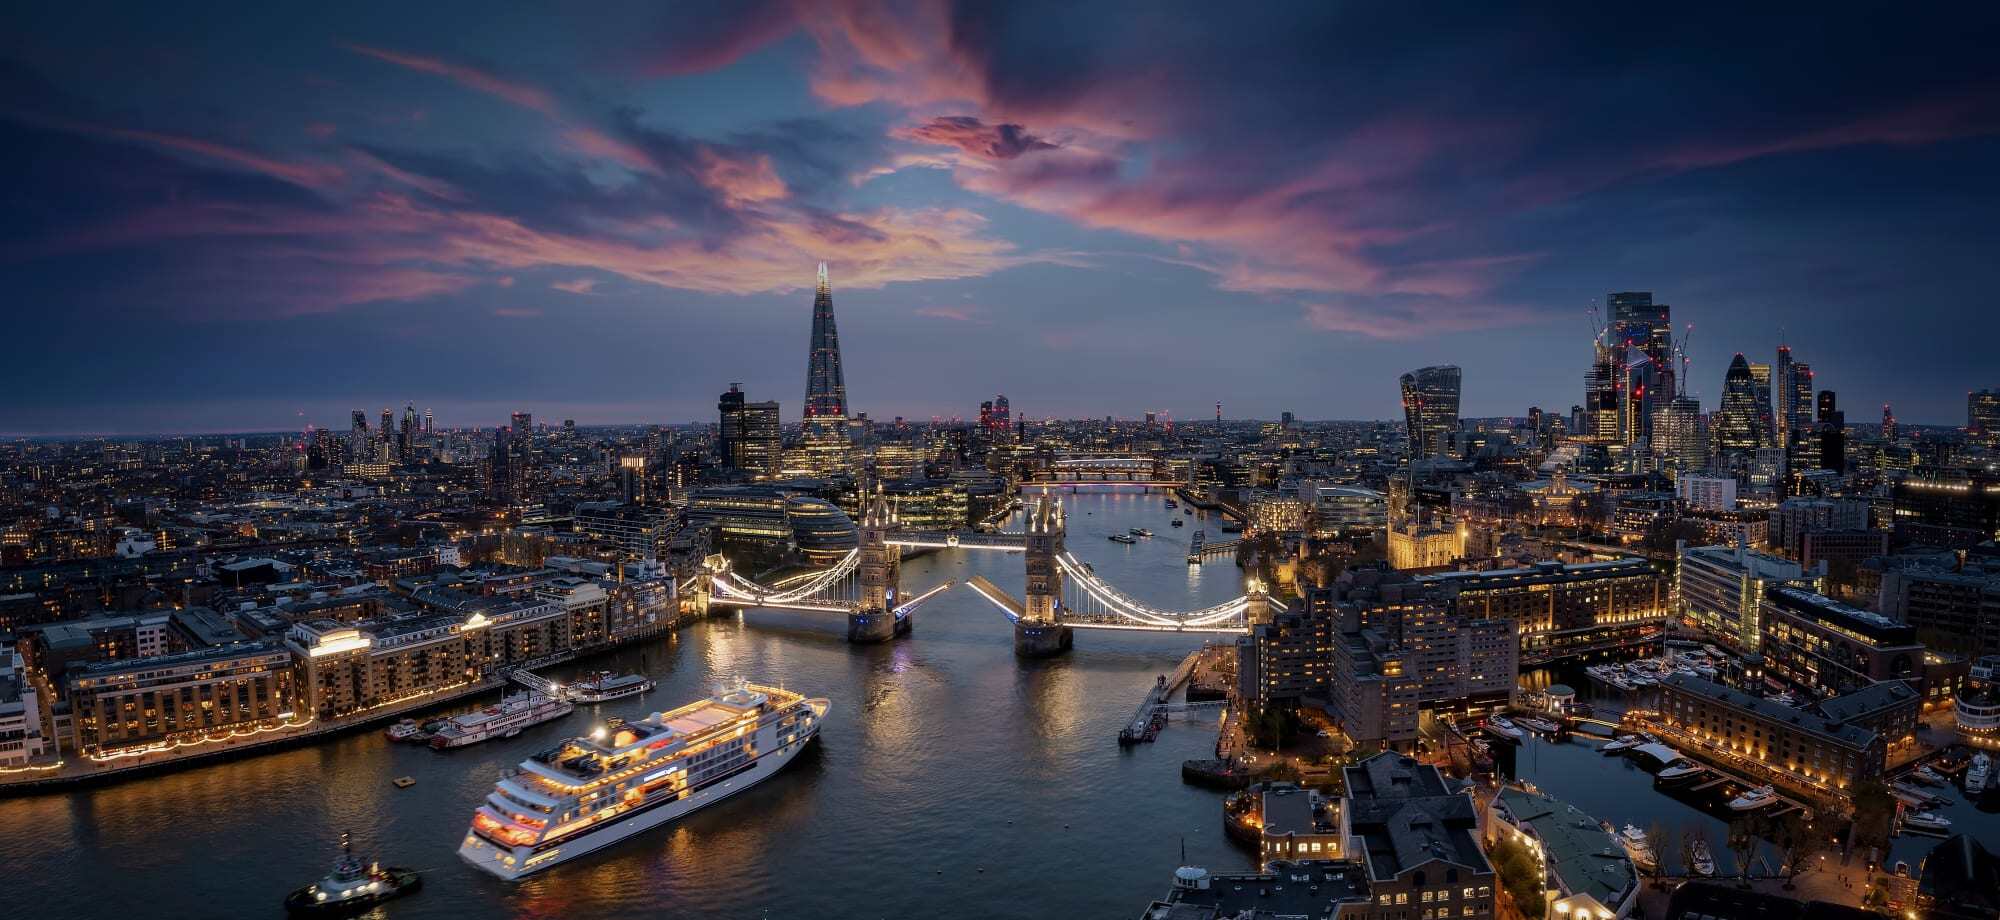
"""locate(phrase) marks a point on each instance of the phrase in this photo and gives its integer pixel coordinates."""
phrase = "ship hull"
(484, 855)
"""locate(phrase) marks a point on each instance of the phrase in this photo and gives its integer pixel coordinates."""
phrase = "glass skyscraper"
(1430, 407)
(826, 387)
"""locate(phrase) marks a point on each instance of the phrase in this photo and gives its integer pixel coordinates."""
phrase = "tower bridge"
(1062, 593)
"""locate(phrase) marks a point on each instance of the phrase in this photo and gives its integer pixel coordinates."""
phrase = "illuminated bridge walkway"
(1063, 592)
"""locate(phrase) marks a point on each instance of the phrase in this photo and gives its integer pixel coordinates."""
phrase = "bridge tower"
(1040, 632)
(880, 567)
(1257, 603)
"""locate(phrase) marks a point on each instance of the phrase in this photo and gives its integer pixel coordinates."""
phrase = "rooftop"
(1580, 852)
(1406, 815)
(1288, 890)
(1851, 735)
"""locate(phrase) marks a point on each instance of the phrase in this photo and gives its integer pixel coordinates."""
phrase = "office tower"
(1430, 408)
(747, 438)
(406, 438)
(430, 424)
(826, 387)
(522, 438)
(1218, 412)
(1003, 415)
(986, 417)
(632, 478)
(1737, 422)
(1576, 419)
(357, 437)
(1601, 388)
(1802, 402)
(1760, 380)
(1638, 322)
(1149, 421)
(1832, 434)
(1285, 419)
(1982, 417)
(1888, 423)
(501, 474)
(1676, 439)
(1782, 392)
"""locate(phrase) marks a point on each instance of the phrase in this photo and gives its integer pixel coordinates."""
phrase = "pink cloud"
(322, 129)
(741, 178)
(579, 286)
(516, 312)
(1398, 322)
(521, 94)
(307, 175)
(964, 314)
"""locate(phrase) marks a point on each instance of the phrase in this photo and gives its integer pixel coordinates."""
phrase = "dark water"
(943, 757)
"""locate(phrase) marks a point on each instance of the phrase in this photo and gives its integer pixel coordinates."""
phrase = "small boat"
(1123, 538)
(1680, 772)
(1140, 532)
(352, 887)
(1976, 775)
(1928, 777)
(1541, 725)
(1760, 797)
(1177, 522)
(1173, 504)
(1621, 743)
(1636, 846)
(1700, 861)
(405, 730)
(605, 686)
(1505, 729)
(404, 782)
(1928, 821)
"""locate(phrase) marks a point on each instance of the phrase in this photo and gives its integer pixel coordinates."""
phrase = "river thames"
(950, 780)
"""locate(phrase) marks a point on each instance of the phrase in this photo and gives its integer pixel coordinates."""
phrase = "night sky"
(252, 217)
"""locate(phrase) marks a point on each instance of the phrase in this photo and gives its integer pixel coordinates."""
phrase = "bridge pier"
(864, 626)
(1042, 640)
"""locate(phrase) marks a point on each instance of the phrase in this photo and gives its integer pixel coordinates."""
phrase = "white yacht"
(1621, 743)
(1928, 821)
(604, 686)
(1751, 800)
(589, 793)
(1975, 775)
(1680, 771)
(1505, 729)
(1634, 841)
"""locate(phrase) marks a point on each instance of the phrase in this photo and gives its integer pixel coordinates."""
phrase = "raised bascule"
(1063, 593)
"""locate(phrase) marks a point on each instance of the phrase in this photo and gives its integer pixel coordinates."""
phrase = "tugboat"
(352, 888)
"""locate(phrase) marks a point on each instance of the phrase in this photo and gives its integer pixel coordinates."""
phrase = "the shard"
(826, 389)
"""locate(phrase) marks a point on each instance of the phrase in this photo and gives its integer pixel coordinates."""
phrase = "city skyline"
(222, 224)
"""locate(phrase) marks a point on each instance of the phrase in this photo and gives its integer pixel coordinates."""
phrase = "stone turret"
(1040, 632)
(880, 566)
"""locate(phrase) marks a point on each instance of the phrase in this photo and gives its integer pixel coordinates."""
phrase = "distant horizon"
(913, 421)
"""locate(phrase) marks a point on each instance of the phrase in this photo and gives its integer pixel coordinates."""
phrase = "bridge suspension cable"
(1123, 605)
(734, 586)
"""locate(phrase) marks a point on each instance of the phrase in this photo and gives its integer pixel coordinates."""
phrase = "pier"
(1151, 716)
(1201, 550)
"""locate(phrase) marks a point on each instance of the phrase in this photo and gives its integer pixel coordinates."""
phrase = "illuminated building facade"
(122, 704)
(1562, 608)
(747, 436)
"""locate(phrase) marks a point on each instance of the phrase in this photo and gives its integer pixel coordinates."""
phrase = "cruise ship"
(589, 793)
